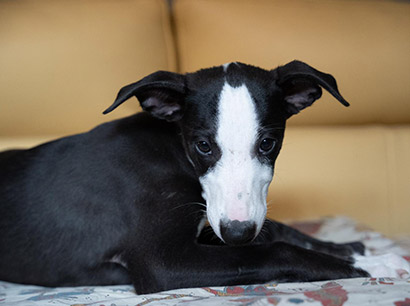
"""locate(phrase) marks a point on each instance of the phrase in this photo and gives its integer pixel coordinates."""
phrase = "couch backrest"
(364, 44)
(62, 62)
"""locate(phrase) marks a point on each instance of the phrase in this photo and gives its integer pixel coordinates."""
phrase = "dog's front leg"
(275, 231)
(198, 265)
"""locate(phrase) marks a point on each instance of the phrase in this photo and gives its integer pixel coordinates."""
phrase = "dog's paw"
(344, 250)
(386, 265)
(348, 249)
(357, 247)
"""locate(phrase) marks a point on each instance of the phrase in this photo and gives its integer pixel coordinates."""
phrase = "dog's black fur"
(122, 203)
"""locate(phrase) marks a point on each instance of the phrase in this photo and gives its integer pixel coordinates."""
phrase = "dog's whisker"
(189, 204)
(262, 234)
(269, 206)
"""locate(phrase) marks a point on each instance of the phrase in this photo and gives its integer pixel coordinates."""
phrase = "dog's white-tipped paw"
(386, 265)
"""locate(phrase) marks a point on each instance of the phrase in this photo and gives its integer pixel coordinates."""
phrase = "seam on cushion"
(391, 170)
(398, 181)
(174, 34)
(179, 28)
(168, 35)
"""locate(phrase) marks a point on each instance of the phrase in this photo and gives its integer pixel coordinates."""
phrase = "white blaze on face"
(236, 187)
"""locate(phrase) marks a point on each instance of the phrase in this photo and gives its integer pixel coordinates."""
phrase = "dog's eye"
(266, 145)
(203, 147)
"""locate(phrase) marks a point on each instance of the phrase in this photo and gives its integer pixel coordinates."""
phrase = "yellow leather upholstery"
(359, 171)
(62, 62)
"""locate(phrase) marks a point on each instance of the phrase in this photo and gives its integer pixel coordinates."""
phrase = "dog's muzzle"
(237, 232)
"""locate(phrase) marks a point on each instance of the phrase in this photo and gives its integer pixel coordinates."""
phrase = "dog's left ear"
(161, 93)
(300, 85)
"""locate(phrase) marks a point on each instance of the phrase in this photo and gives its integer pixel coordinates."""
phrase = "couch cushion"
(364, 44)
(62, 62)
(363, 172)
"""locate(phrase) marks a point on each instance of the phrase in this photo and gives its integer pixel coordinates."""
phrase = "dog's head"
(232, 120)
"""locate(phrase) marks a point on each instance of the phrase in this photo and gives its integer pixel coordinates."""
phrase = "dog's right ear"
(161, 93)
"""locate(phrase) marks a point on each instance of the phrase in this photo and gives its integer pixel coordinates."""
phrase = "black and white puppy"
(127, 201)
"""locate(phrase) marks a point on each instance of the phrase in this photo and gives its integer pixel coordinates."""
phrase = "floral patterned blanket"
(359, 291)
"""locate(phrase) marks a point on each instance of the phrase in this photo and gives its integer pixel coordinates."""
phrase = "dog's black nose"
(237, 232)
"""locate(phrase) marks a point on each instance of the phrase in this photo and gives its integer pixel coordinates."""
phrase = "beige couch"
(62, 62)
